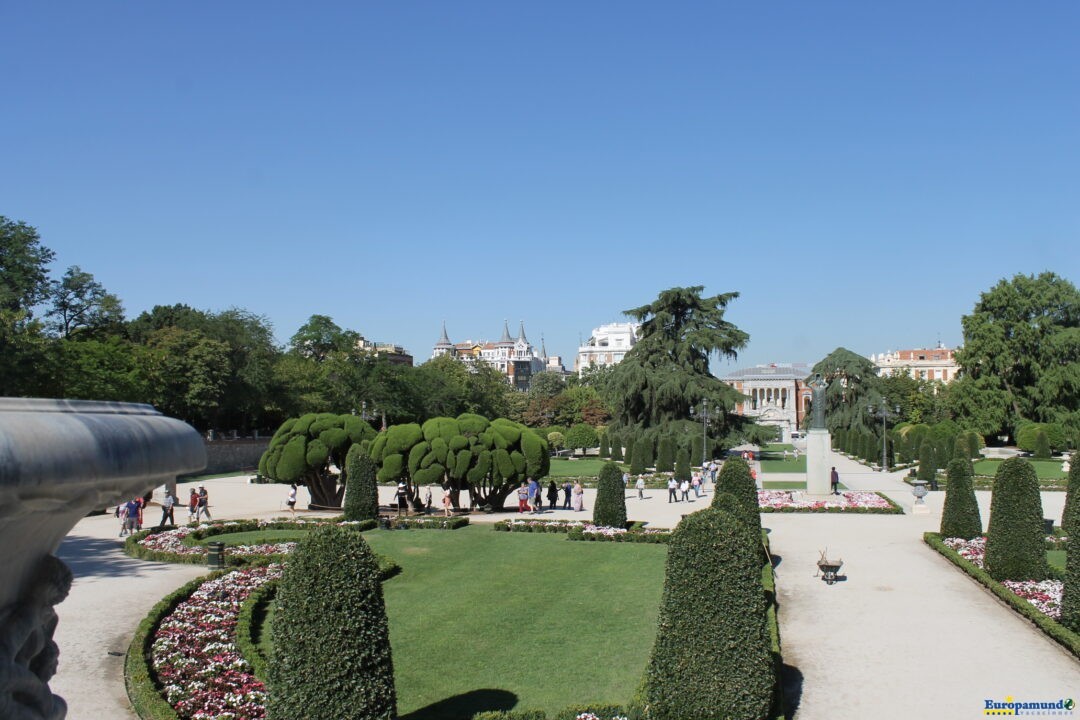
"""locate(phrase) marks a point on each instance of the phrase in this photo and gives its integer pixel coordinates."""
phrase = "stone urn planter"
(60, 459)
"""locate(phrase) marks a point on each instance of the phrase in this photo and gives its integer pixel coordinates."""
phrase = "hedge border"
(631, 536)
(428, 523)
(893, 509)
(1055, 630)
(245, 625)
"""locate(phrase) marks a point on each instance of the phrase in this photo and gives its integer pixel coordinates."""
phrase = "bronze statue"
(817, 400)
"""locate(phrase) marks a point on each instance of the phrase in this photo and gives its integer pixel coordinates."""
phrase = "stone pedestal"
(818, 443)
(59, 460)
(920, 509)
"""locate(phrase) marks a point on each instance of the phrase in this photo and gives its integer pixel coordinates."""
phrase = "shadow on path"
(465, 705)
(90, 557)
(791, 681)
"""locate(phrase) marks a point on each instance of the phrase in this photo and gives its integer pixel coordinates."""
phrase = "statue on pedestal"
(817, 400)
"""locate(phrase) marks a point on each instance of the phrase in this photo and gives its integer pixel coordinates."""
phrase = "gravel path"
(906, 635)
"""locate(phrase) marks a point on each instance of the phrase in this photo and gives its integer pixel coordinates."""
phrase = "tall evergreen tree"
(644, 447)
(1014, 541)
(361, 490)
(635, 451)
(665, 454)
(616, 447)
(610, 507)
(682, 464)
(605, 445)
(927, 471)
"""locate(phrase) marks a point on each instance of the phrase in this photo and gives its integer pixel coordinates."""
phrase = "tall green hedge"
(1042, 446)
(1015, 545)
(960, 517)
(697, 449)
(1070, 519)
(331, 640)
(616, 447)
(682, 464)
(927, 469)
(665, 454)
(361, 490)
(715, 664)
(735, 479)
(638, 462)
(1070, 599)
(605, 445)
(610, 507)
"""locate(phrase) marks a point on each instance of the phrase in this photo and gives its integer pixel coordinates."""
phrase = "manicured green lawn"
(777, 448)
(1056, 558)
(532, 616)
(781, 465)
(583, 467)
(256, 537)
(1045, 469)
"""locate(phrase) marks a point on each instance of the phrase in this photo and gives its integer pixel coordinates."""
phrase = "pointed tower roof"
(521, 332)
(506, 333)
(543, 349)
(444, 341)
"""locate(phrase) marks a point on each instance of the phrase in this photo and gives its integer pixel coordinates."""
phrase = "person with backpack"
(167, 509)
(204, 504)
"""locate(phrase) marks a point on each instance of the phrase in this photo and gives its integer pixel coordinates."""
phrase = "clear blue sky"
(859, 173)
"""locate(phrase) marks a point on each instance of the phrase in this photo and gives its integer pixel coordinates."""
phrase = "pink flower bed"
(195, 656)
(172, 541)
(777, 499)
(590, 529)
(1045, 595)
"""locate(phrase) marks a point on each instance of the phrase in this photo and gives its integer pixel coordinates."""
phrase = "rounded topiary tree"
(331, 654)
(361, 490)
(960, 517)
(665, 455)
(715, 664)
(734, 479)
(610, 507)
(1070, 519)
(642, 456)
(1014, 541)
(682, 464)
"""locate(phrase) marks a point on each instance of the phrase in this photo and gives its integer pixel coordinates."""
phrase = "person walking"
(290, 499)
(552, 494)
(834, 481)
(567, 488)
(684, 487)
(579, 497)
(640, 485)
(427, 499)
(446, 502)
(193, 505)
(536, 501)
(672, 490)
(523, 497)
(167, 509)
(402, 497)
(204, 504)
(131, 517)
(696, 484)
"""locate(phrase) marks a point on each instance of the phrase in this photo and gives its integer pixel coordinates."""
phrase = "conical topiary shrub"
(927, 470)
(616, 447)
(1015, 547)
(682, 465)
(665, 455)
(361, 490)
(605, 446)
(1070, 519)
(331, 656)
(1070, 599)
(735, 479)
(610, 507)
(1042, 446)
(716, 664)
(634, 457)
(960, 517)
(642, 455)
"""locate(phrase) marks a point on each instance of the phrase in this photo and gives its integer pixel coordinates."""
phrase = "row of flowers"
(178, 541)
(852, 501)
(1045, 595)
(194, 652)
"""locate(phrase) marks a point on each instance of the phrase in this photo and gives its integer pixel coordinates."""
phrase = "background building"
(776, 395)
(921, 363)
(607, 345)
(516, 359)
(396, 354)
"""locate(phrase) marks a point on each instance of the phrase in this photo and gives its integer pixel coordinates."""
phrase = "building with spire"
(515, 358)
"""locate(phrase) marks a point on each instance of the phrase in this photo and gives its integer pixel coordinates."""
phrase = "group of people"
(675, 488)
(130, 513)
(531, 496)
(401, 499)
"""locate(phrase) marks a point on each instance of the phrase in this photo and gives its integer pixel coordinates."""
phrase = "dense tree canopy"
(853, 385)
(667, 371)
(81, 303)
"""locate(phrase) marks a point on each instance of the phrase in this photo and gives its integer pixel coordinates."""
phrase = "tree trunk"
(325, 492)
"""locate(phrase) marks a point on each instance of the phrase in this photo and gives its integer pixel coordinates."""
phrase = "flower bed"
(179, 545)
(553, 526)
(194, 654)
(613, 534)
(848, 502)
(428, 523)
(1039, 602)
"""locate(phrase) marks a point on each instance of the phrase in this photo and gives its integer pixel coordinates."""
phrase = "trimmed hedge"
(630, 536)
(330, 597)
(682, 465)
(1070, 518)
(429, 523)
(665, 454)
(251, 616)
(960, 517)
(139, 677)
(1070, 599)
(610, 506)
(719, 662)
(361, 491)
(642, 451)
(1015, 540)
(1067, 638)
(735, 479)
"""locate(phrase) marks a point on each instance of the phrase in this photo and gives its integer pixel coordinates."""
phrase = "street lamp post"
(884, 413)
(704, 428)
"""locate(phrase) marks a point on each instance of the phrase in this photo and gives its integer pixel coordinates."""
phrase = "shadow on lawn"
(465, 705)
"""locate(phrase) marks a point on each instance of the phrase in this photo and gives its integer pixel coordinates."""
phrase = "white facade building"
(775, 394)
(516, 359)
(920, 363)
(607, 345)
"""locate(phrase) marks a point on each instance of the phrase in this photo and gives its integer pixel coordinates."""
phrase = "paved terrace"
(905, 636)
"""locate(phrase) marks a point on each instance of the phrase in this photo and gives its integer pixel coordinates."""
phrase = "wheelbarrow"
(828, 569)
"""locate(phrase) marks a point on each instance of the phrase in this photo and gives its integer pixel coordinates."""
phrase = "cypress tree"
(610, 507)
(682, 465)
(1042, 446)
(361, 490)
(331, 639)
(927, 471)
(648, 451)
(715, 664)
(604, 450)
(974, 441)
(635, 455)
(960, 517)
(1070, 519)
(1015, 542)
(665, 455)
(697, 449)
(1070, 598)
(616, 447)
